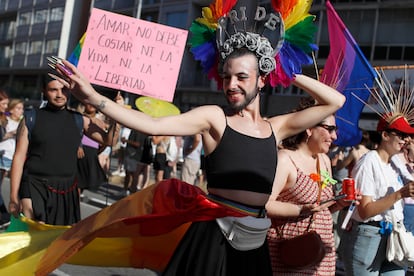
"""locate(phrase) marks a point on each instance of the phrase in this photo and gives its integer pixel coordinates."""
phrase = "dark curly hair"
(292, 142)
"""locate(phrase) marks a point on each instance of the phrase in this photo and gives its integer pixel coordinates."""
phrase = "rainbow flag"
(23, 244)
(141, 231)
(75, 55)
(348, 70)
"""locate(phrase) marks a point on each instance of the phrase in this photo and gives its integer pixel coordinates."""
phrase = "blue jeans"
(5, 163)
(409, 217)
(363, 250)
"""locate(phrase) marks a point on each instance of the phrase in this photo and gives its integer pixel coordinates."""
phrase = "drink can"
(348, 188)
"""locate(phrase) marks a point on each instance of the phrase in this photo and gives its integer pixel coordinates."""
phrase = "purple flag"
(348, 70)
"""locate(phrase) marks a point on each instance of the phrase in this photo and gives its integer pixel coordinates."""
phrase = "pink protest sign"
(133, 55)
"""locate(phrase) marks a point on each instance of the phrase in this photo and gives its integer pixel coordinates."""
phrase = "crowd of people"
(299, 156)
(149, 159)
(11, 112)
(310, 151)
(230, 178)
(268, 179)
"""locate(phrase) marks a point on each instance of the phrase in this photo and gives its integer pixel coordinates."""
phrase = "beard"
(249, 97)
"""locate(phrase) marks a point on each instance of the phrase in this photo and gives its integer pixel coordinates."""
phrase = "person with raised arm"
(238, 187)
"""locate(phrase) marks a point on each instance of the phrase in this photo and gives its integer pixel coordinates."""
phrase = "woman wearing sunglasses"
(303, 182)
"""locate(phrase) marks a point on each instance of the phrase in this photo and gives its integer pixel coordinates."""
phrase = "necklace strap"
(318, 170)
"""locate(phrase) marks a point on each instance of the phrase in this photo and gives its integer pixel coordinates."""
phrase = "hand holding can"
(348, 188)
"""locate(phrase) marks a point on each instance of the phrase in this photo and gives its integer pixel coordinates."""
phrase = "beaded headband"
(281, 37)
(262, 33)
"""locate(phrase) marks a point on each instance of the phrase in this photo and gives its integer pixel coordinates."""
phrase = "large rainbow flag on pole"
(348, 70)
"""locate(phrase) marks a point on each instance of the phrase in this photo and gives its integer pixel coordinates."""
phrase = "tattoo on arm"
(101, 105)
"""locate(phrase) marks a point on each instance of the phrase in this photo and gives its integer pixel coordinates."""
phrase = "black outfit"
(147, 154)
(239, 162)
(91, 175)
(50, 168)
(132, 151)
(160, 162)
(133, 154)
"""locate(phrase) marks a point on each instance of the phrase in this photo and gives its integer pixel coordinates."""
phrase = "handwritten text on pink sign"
(134, 55)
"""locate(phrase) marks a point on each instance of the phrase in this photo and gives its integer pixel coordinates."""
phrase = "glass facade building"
(30, 30)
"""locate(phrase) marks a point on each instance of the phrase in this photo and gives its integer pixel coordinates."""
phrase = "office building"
(30, 30)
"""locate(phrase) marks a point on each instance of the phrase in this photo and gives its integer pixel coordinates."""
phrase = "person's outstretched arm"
(178, 125)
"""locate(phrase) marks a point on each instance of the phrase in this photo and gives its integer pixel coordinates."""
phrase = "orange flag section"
(145, 228)
(152, 252)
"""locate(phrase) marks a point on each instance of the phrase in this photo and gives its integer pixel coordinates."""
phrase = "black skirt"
(90, 173)
(205, 251)
(55, 200)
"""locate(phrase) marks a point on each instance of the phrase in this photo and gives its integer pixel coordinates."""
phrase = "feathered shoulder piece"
(282, 38)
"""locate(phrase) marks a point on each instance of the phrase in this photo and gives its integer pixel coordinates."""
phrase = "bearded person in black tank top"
(43, 172)
(240, 148)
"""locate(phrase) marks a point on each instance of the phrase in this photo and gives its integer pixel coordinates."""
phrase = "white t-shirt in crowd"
(375, 178)
(9, 145)
(125, 134)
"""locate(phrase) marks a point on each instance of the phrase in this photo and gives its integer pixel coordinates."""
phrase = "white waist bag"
(244, 233)
(400, 244)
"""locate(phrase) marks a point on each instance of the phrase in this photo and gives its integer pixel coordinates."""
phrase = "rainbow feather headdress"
(282, 38)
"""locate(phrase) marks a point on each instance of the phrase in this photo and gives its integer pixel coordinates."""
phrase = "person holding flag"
(250, 52)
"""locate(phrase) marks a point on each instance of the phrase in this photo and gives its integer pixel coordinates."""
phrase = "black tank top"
(54, 142)
(242, 162)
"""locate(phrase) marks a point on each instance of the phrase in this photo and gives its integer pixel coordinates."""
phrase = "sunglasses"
(399, 134)
(330, 128)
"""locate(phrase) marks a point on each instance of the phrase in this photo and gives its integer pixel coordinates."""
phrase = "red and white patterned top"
(304, 191)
